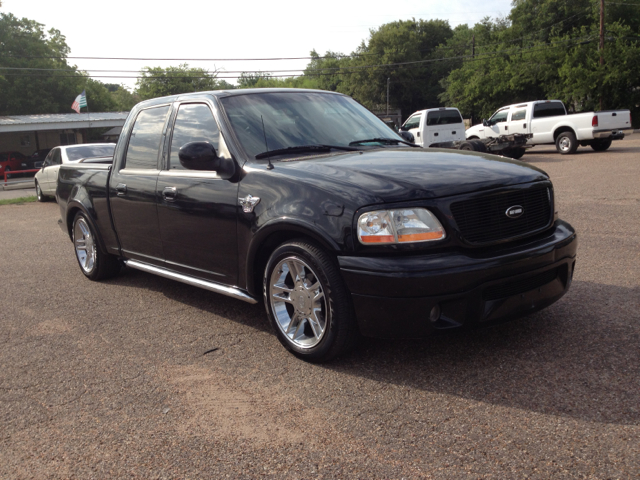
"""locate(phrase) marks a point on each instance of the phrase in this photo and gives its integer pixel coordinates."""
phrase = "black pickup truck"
(305, 199)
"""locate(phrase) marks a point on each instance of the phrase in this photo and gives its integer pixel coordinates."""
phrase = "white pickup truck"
(548, 123)
(443, 127)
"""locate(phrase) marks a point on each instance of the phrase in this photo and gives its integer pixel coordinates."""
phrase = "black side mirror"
(485, 123)
(203, 156)
(408, 136)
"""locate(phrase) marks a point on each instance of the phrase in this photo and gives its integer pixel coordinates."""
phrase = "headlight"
(406, 225)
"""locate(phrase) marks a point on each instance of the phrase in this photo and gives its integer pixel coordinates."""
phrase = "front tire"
(601, 145)
(41, 196)
(566, 143)
(515, 153)
(94, 264)
(307, 302)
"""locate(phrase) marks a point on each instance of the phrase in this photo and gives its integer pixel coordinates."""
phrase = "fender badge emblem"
(248, 203)
(514, 212)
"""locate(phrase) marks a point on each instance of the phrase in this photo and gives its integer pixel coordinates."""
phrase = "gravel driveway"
(143, 377)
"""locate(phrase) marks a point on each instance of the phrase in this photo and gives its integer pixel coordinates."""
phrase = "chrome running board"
(196, 282)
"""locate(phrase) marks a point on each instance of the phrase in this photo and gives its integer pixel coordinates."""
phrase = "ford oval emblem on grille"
(514, 212)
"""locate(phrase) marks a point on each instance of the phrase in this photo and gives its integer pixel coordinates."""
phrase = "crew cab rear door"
(132, 188)
(197, 209)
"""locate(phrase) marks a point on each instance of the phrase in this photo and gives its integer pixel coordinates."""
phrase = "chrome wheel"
(84, 244)
(564, 144)
(298, 302)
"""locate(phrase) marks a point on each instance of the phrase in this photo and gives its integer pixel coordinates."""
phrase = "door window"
(56, 158)
(194, 123)
(499, 117)
(144, 143)
(518, 114)
(413, 122)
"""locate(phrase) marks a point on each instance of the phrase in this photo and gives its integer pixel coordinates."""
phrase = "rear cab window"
(548, 109)
(443, 117)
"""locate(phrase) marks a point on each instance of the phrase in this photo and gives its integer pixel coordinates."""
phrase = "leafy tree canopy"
(159, 82)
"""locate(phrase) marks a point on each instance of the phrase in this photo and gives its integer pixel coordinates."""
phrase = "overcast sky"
(194, 29)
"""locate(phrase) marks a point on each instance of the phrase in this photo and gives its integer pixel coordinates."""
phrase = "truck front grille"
(483, 219)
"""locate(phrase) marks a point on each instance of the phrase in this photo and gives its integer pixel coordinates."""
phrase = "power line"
(337, 71)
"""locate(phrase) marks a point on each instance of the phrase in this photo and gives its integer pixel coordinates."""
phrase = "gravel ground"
(112, 379)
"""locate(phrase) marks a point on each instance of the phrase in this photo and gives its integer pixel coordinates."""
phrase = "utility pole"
(601, 46)
(473, 55)
(388, 80)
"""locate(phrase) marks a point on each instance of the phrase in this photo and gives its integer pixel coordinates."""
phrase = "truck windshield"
(293, 119)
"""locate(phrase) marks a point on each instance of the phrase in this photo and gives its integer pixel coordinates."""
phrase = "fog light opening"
(434, 315)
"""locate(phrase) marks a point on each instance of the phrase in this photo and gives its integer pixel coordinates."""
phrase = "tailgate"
(614, 120)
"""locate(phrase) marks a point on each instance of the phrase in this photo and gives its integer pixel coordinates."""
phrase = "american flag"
(80, 101)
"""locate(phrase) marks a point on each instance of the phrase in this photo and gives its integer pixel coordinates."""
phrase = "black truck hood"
(394, 175)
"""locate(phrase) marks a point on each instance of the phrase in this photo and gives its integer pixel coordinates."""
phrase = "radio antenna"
(266, 145)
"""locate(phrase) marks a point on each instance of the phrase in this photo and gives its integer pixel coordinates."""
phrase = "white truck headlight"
(406, 225)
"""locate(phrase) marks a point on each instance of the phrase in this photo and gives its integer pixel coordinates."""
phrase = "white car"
(46, 178)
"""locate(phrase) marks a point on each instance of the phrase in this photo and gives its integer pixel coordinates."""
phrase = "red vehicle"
(10, 161)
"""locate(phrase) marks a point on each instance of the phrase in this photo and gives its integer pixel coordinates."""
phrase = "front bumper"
(394, 296)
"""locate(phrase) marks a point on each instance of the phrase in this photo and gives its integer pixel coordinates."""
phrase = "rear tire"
(600, 145)
(470, 146)
(479, 145)
(94, 264)
(566, 143)
(307, 302)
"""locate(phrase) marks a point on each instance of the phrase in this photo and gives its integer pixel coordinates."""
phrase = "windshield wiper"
(386, 141)
(304, 148)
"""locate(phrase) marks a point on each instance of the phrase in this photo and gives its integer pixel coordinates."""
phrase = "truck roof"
(230, 93)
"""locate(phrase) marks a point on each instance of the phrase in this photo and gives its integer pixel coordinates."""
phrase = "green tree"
(159, 82)
(123, 99)
(51, 88)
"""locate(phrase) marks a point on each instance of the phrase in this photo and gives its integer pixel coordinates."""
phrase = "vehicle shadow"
(230, 308)
(579, 358)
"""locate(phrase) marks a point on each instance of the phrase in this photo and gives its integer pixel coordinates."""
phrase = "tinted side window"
(443, 117)
(56, 159)
(142, 151)
(194, 123)
(413, 122)
(499, 117)
(519, 114)
(550, 109)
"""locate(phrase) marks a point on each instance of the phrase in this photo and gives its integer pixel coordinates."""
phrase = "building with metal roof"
(28, 133)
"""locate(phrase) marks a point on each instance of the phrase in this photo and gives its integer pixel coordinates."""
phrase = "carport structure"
(28, 133)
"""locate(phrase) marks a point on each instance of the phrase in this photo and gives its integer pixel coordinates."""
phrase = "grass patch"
(18, 201)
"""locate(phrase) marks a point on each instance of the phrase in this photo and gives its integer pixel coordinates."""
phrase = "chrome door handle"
(121, 189)
(170, 194)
